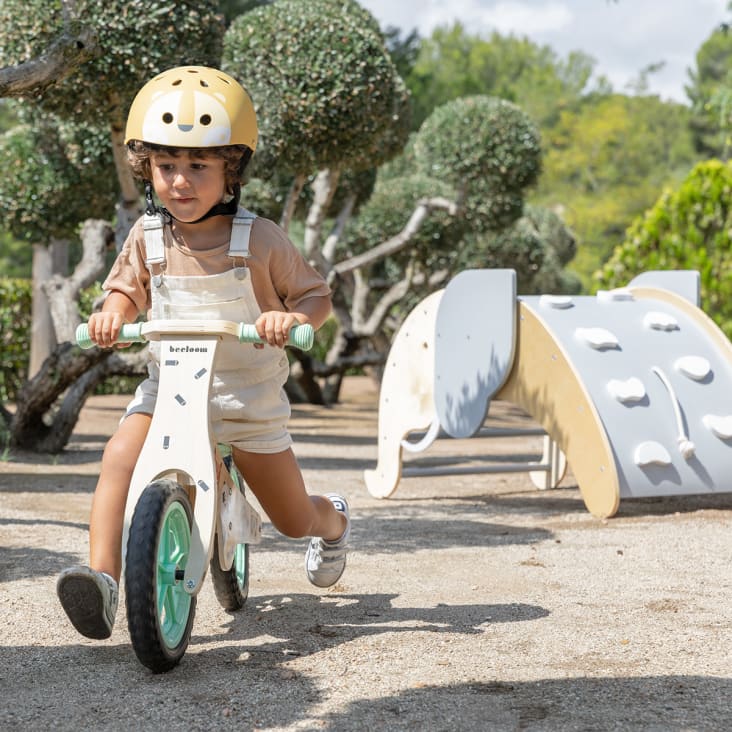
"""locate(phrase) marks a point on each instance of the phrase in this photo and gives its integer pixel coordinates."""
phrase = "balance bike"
(186, 511)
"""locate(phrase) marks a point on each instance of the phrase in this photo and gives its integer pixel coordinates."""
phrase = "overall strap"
(154, 246)
(241, 229)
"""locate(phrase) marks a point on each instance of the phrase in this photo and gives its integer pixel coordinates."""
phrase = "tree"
(710, 93)
(453, 63)
(606, 162)
(688, 228)
(464, 173)
(328, 101)
(97, 92)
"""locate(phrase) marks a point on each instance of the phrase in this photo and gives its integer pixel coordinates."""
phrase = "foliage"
(453, 63)
(138, 38)
(16, 256)
(688, 228)
(232, 9)
(403, 49)
(387, 211)
(710, 93)
(326, 92)
(8, 115)
(605, 163)
(488, 150)
(53, 178)
(537, 246)
(15, 322)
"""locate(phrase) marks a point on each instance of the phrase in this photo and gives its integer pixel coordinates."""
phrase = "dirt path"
(471, 602)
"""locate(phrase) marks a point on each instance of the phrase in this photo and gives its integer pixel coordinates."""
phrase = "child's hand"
(274, 327)
(104, 328)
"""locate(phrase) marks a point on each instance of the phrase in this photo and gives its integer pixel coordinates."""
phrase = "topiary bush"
(687, 228)
(326, 91)
(486, 147)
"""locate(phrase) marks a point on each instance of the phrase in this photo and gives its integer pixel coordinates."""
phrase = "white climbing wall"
(660, 376)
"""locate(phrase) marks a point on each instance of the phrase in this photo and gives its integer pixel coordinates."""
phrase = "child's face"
(188, 187)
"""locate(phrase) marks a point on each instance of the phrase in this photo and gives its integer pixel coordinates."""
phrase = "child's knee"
(119, 453)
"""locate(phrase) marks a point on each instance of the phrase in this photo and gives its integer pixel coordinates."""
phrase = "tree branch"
(423, 209)
(393, 295)
(63, 292)
(73, 47)
(337, 231)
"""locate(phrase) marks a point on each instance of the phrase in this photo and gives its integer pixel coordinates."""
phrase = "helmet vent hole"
(203, 82)
(177, 82)
(205, 119)
(167, 118)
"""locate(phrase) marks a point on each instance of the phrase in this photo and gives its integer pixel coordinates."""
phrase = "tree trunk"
(49, 403)
(324, 186)
(43, 337)
(60, 389)
(129, 207)
(288, 210)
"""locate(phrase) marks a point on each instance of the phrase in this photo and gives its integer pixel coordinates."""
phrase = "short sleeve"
(129, 274)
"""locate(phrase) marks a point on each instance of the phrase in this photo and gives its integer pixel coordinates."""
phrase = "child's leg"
(276, 481)
(110, 496)
(89, 595)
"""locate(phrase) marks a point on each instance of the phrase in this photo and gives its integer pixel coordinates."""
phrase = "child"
(190, 133)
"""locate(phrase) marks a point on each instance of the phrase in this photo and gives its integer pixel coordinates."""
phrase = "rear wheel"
(231, 585)
(159, 611)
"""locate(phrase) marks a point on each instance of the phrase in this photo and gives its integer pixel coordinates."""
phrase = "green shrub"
(15, 323)
(688, 228)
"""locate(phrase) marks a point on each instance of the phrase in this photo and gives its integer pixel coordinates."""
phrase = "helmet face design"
(194, 107)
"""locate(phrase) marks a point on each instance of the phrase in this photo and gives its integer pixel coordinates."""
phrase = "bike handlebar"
(300, 336)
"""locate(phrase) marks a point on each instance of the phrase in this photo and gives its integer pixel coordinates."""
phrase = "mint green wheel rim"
(240, 565)
(174, 546)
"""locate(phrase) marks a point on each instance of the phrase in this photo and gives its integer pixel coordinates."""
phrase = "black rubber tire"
(230, 594)
(143, 622)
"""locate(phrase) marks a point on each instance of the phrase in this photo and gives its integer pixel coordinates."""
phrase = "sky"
(623, 37)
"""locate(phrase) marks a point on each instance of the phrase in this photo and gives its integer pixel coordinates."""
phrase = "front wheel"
(159, 611)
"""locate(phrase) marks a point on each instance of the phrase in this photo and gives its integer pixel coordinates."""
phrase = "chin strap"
(220, 209)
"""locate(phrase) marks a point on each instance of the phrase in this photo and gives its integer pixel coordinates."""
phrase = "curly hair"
(235, 157)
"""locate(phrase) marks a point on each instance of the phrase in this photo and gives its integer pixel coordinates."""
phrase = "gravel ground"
(470, 602)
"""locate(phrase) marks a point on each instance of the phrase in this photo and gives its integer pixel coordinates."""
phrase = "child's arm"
(274, 326)
(117, 310)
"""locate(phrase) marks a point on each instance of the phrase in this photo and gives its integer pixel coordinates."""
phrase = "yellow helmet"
(193, 106)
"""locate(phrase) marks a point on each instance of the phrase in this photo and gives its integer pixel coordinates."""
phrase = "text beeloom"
(189, 349)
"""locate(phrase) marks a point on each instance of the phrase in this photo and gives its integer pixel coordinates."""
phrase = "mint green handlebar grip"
(300, 336)
(129, 333)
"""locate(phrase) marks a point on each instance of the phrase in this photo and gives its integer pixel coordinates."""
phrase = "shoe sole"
(84, 604)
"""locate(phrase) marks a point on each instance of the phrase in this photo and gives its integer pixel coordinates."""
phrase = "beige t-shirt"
(281, 278)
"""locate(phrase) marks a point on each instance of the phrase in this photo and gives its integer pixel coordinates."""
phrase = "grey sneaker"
(326, 560)
(89, 599)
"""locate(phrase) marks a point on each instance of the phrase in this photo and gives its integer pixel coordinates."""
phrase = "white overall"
(249, 408)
